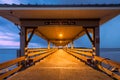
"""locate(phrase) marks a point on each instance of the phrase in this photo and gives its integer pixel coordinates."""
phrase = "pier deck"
(60, 66)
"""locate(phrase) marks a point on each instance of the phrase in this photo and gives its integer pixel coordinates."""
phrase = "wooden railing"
(36, 56)
(8, 64)
(84, 49)
(36, 49)
(104, 64)
(32, 56)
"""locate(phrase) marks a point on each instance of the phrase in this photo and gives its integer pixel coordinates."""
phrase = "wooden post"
(72, 45)
(31, 35)
(96, 39)
(54, 46)
(67, 46)
(23, 39)
(48, 44)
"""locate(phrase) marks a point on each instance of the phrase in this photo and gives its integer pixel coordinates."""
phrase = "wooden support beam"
(48, 44)
(10, 16)
(45, 22)
(96, 38)
(109, 17)
(23, 38)
(72, 45)
(90, 38)
(53, 46)
(78, 35)
(42, 35)
(67, 46)
(30, 36)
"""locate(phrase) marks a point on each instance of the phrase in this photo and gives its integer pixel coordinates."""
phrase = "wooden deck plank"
(60, 66)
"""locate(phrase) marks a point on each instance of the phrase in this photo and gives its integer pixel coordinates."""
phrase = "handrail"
(35, 56)
(10, 72)
(83, 58)
(89, 50)
(37, 53)
(8, 64)
(81, 52)
(42, 55)
(106, 61)
(113, 63)
(109, 72)
(77, 53)
(36, 49)
(11, 62)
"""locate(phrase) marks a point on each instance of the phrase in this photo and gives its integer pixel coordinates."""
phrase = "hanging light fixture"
(60, 35)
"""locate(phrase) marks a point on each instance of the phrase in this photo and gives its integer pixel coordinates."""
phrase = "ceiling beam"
(47, 22)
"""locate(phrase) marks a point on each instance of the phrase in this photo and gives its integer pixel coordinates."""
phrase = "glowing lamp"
(60, 41)
(60, 35)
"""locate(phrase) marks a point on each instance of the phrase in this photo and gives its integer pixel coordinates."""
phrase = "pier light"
(60, 35)
(60, 41)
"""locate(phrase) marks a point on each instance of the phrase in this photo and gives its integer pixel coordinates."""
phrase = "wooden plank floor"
(60, 66)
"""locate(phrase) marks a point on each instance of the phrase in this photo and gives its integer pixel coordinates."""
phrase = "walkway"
(60, 66)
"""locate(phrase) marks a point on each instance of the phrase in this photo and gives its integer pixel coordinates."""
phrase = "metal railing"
(106, 65)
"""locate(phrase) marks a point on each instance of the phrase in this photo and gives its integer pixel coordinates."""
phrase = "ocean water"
(9, 54)
(113, 54)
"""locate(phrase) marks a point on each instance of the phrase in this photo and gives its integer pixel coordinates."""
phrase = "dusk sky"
(109, 31)
(60, 1)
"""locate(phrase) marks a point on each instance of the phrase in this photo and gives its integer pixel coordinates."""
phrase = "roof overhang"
(36, 15)
(104, 12)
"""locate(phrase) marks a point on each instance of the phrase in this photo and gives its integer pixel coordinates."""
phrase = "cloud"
(8, 40)
(16, 44)
(5, 43)
(10, 1)
(8, 36)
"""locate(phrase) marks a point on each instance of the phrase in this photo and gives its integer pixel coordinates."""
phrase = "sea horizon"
(111, 53)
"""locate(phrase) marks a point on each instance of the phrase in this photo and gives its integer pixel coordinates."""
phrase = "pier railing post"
(72, 45)
(48, 44)
(23, 37)
(96, 39)
(23, 46)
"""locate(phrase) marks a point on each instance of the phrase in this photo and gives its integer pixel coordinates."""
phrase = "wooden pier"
(60, 25)
(60, 66)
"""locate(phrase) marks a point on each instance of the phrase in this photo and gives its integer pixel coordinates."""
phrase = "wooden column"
(72, 45)
(66, 46)
(23, 39)
(54, 46)
(96, 38)
(48, 44)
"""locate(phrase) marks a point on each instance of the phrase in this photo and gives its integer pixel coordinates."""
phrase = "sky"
(60, 1)
(109, 31)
